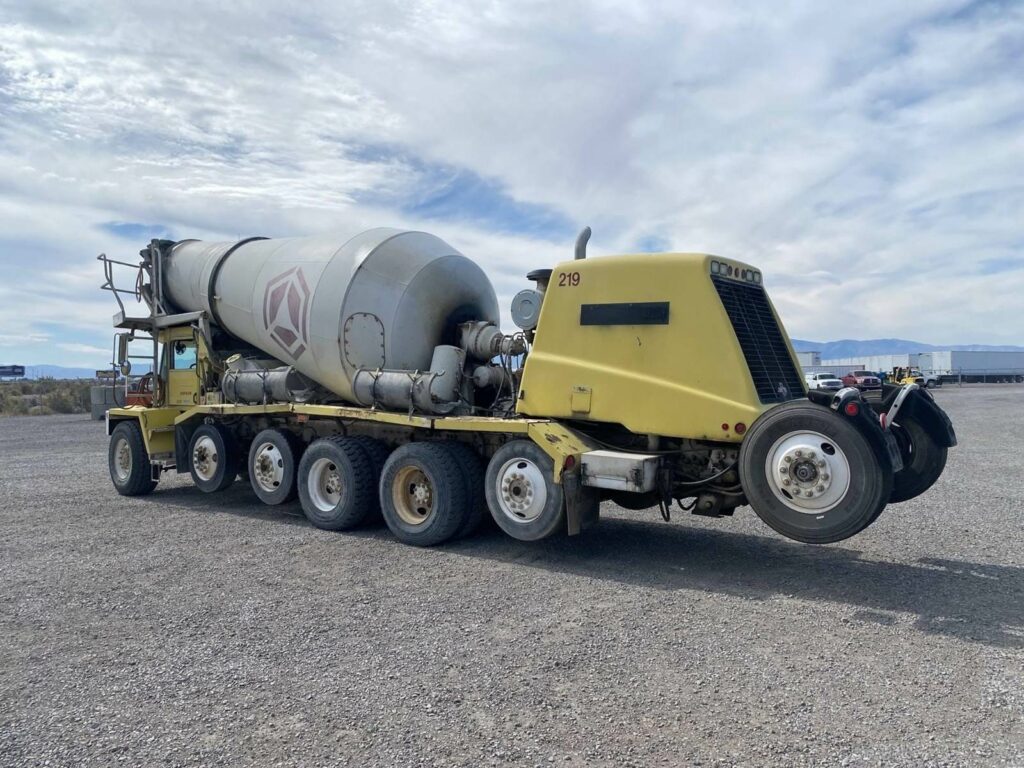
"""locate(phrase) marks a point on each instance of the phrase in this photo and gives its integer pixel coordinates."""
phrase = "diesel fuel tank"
(331, 307)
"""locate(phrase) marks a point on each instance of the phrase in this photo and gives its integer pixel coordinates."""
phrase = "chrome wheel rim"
(268, 467)
(205, 458)
(324, 485)
(808, 472)
(122, 459)
(521, 491)
(413, 495)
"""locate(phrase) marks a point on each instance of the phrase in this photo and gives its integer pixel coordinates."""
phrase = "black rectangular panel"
(629, 313)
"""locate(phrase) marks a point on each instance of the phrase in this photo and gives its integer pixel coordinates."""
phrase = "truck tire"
(336, 484)
(377, 451)
(212, 458)
(128, 461)
(273, 466)
(522, 495)
(811, 475)
(423, 494)
(472, 467)
(923, 460)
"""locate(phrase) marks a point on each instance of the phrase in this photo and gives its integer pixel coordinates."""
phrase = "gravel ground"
(183, 630)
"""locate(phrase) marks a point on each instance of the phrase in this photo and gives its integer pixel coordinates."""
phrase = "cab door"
(182, 378)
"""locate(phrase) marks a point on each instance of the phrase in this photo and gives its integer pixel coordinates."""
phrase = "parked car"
(823, 381)
(862, 380)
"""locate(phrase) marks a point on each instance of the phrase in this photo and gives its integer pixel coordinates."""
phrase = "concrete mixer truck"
(370, 376)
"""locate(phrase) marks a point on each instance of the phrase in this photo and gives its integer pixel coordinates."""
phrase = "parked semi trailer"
(369, 376)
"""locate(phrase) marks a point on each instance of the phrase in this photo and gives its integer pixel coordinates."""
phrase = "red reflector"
(852, 409)
(725, 427)
(741, 428)
(570, 462)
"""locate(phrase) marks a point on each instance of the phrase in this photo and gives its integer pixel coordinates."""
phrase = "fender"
(849, 404)
(921, 406)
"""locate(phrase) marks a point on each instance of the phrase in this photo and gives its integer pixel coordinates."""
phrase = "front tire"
(128, 461)
(522, 495)
(273, 466)
(811, 475)
(213, 458)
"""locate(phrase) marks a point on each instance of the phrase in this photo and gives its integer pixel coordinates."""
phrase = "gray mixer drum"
(383, 299)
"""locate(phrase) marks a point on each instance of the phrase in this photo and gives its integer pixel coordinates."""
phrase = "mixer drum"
(383, 299)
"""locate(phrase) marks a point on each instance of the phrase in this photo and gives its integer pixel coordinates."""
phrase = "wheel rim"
(521, 491)
(808, 472)
(205, 458)
(413, 495)
(268, 467)
(324, 485)
(122, 459)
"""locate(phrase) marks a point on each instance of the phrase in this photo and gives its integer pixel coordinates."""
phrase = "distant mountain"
(831, 350)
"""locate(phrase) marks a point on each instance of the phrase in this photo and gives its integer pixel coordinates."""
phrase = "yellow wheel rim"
(413, 495)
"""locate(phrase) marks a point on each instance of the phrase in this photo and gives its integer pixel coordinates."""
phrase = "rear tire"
(336, 484)
(423, 494)
(377, 451)
(212, 458)
(273, 466)
(472, 467)
(923, 460)
(522, 495)
(811, 475)
(128, 461)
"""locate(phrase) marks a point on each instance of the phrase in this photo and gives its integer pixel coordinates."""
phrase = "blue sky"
(868, 157)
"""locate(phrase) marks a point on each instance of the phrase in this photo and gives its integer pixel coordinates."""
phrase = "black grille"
(764, 347)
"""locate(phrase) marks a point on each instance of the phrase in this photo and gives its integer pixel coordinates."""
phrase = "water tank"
(330, 306)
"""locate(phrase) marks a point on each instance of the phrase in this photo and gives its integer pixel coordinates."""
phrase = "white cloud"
(868, 158)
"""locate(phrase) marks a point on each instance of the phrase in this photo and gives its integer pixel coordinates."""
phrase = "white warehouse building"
(969, 365)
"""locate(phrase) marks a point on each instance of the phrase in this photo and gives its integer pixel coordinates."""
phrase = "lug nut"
(824, 477)
(810, 454)
(783, 469)
(821, 463)
(798, 453)
(821, 489)
(785, 481)
(789, 459)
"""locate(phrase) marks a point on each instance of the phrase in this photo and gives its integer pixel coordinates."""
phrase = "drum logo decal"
(286, 311)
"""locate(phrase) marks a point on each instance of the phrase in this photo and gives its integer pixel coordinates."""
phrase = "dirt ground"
(182, 629)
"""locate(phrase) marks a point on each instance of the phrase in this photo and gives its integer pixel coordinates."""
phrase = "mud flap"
(582, 503)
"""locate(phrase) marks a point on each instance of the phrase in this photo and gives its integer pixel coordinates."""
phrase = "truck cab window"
(183, 355)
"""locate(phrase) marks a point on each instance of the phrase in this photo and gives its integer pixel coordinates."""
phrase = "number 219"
(570, 279)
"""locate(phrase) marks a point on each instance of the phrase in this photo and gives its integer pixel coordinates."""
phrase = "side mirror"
(123, 363)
